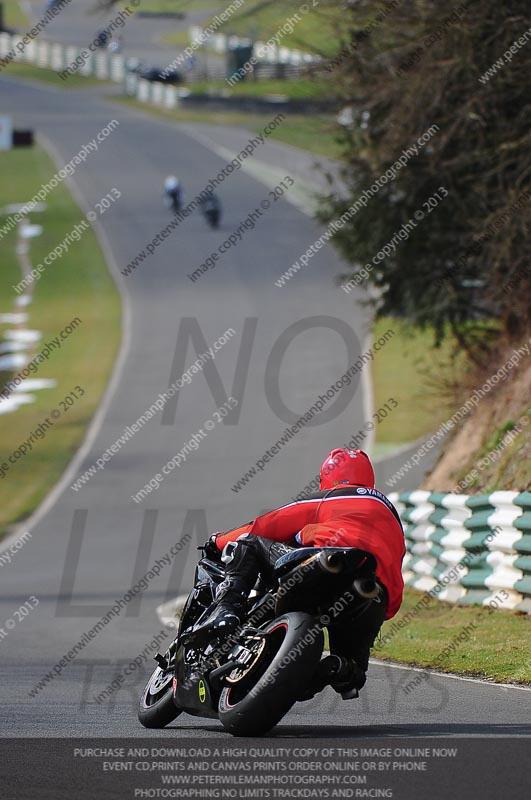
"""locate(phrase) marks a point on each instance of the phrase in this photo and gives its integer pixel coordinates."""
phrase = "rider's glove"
(211, 549)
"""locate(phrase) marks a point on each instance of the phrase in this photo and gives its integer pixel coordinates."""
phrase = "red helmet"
(351, 467)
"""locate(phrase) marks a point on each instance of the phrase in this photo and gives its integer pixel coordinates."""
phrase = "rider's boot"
(339, 672)
(229, 610)
(349, 679)
(353, 642)
(242, 566)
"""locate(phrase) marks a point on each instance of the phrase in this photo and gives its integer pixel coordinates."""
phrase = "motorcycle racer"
(173, 190)
(347, 512)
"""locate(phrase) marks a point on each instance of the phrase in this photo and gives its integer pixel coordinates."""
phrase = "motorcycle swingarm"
(195, 696)
(198, 692)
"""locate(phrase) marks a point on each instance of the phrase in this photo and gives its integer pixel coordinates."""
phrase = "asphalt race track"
(90, 546)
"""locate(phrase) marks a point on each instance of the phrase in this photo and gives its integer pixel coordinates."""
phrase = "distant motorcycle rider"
(347, 512)
(211, 209)
(173, 191)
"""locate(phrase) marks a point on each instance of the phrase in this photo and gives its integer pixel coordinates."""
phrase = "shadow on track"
(381, 731)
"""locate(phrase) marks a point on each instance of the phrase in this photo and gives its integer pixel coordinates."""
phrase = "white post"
(57, 57)
(6, 133)
(142, 90)
(5, 43)
(87, 68)
(157, 93)
(43, 58)
(131, 83)
(170, 97)
(30, 53)
(102, 66)
(117, 68)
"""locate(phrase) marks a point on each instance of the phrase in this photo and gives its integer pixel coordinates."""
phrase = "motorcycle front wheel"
(156, 708)
(258, 695)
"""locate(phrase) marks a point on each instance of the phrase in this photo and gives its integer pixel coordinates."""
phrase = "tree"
(403, 68)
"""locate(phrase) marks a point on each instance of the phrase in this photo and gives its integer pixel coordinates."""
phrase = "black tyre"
(258, 696)
(156, 708)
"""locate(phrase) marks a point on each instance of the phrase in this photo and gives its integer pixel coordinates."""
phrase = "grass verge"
(408, 369)
(161, 6)
(312, 133)
(29, 71)
(315, 31)
(14, 15)
(77, 285)
(492, 643)
(294, 89)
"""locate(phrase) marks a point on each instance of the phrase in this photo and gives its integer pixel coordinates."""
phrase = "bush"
(403, 68)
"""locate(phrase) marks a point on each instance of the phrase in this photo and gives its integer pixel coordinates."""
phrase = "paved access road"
(79, 22)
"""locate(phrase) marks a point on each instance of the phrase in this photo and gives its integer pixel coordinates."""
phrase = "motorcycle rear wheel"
(258, 697)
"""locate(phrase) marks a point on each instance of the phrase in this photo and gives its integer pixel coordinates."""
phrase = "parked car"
(159, 74)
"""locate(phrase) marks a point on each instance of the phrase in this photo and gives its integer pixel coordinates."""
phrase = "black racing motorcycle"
(211, 210)
(250, 679)
(173, 201)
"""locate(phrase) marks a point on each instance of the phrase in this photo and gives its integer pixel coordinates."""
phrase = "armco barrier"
(474, 546)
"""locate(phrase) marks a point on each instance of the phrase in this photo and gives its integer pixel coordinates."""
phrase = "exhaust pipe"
(330, 562)
(366, 588)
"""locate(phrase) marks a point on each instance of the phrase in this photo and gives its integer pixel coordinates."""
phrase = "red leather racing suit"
(342, 517)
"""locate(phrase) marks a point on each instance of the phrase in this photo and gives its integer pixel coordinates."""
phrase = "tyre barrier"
(468, 548)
